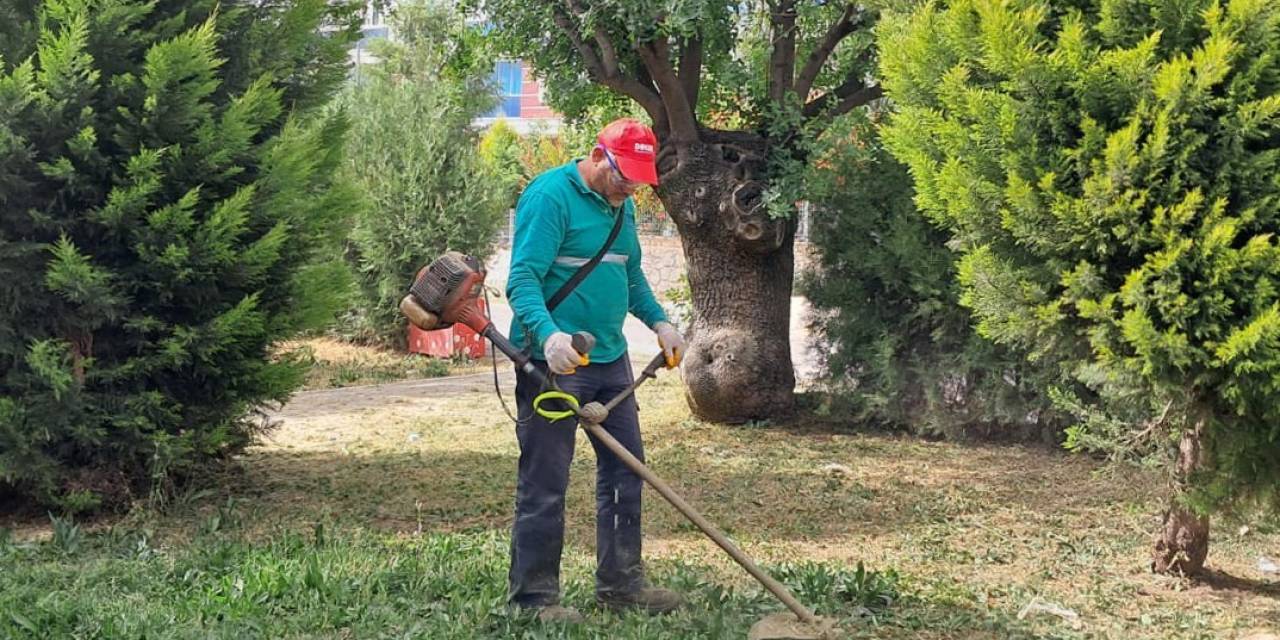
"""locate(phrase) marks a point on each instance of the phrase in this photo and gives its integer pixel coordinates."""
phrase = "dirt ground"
(990, 541)
(988, 530)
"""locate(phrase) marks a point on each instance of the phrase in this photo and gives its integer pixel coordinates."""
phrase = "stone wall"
(662, 261)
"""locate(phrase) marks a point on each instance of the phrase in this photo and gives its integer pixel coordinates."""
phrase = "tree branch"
(853, 88)
(691, 70)
(614, 79)
(680, 116)
(847, 103)
(782, 57)
(660, 126)
(608, 55)
(838, 31)
(1151, 426)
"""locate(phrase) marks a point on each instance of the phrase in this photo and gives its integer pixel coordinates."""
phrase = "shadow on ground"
(758, 485)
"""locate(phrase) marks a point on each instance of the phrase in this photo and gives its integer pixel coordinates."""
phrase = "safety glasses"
(621, 178)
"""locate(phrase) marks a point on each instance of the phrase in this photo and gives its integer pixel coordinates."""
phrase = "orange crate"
(444, 343)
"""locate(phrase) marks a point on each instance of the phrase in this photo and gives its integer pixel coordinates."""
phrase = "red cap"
(634, 147)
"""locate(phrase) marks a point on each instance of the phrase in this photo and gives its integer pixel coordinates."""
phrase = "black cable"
(493, 356)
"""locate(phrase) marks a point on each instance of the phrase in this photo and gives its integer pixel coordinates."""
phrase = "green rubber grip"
(554, 395)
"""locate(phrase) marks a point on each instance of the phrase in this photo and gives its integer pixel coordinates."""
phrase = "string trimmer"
(447, 292)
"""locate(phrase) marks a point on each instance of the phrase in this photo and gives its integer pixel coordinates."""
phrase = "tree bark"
(740, 264)
(81, 342)
(1182, 544)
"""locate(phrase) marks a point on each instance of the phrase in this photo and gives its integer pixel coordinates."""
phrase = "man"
(563, 218)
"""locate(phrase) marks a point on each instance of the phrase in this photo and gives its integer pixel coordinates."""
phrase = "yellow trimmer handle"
(583, 343)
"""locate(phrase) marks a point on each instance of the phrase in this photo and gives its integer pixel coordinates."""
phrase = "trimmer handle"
(583, 342)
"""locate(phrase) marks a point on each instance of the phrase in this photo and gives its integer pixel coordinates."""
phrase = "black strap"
(584, 270)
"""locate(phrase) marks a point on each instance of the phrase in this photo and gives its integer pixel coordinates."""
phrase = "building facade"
(520, 96)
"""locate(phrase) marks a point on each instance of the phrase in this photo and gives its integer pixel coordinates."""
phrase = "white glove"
(562, 358)
(672, 343)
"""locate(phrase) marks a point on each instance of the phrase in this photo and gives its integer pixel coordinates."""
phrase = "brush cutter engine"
(446, 292)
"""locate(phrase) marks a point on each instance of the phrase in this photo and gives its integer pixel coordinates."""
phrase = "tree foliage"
(414, 152)
(1108, 169)
(504, 154)
(898, 347)
(166, 218)
(780, 68)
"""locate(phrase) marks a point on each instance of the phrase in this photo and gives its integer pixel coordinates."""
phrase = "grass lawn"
(391, 521)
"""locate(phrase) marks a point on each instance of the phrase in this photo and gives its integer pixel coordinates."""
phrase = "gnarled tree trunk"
(740, 264)
(1183, 541)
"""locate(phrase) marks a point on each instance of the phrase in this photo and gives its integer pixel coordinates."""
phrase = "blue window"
(508, 77)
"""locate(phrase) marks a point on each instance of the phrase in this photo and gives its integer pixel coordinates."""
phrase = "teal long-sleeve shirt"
(560, 224)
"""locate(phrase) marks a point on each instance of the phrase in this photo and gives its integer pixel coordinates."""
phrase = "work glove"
(672, 343)
(562, 358)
